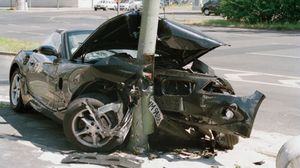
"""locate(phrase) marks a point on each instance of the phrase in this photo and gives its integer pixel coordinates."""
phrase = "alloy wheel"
(15, 91)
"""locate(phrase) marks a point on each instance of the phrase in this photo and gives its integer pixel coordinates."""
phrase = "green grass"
(5, 9)
(179, 7)
(226, 23)
(4, 105)
(15, 45)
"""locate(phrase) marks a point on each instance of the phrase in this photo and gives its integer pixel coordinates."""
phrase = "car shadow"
(35, 128)
(48, 135)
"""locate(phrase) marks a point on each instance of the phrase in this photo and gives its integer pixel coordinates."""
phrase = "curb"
(4, 101)
(180, 13)
(7, 53)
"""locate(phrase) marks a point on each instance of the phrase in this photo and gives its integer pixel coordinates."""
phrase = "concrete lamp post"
(22, 5)
(143, 122)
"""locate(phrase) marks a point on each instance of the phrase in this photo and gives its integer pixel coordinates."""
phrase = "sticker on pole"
(154, 109)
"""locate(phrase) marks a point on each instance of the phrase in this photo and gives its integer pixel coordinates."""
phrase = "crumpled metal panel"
(174, 40)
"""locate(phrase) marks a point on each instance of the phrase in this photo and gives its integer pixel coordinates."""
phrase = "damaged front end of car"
(206, 101)
(194, 102)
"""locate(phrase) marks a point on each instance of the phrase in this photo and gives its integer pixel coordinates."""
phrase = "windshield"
(107, 53)
(75, 39)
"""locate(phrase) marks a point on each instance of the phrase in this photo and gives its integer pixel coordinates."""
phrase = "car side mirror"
(48, 50)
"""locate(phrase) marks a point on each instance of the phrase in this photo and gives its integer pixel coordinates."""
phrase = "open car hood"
(174, 41)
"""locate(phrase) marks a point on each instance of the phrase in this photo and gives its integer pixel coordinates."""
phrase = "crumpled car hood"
(174, 40)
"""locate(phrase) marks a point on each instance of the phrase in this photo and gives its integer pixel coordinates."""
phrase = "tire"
(76, 119)
(206, 12)
(95, 9)
(15, 96)
(226, 141)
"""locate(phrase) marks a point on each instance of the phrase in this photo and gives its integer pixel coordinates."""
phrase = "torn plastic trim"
(103, 160)
(209, 113)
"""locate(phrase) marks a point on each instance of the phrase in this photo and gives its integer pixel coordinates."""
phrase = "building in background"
(52, 3)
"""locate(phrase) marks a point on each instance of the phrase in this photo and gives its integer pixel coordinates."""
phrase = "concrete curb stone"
(7, 53)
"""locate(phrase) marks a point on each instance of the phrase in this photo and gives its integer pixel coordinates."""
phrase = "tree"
(255, 11)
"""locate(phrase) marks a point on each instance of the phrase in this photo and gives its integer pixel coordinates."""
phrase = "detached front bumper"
(229, 114)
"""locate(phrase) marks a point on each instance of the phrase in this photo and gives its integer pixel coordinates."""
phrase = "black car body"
(210, 6)
(90, 86)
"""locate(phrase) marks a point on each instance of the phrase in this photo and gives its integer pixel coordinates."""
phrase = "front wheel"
(15, 96)
(86, 131)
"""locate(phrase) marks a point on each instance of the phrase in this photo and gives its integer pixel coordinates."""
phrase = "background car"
(135, 5)
(210, 6)
(124, 5)
(105, 5)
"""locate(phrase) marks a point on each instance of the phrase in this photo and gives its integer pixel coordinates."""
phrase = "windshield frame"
(67, 34)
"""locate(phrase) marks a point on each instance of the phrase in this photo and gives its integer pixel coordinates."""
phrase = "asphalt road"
(36, 25)
(262, 60)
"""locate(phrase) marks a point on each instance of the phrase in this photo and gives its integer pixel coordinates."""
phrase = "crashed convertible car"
(87, 80)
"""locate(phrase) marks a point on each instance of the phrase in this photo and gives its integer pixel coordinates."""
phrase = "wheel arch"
(14, 66)
(101, 86)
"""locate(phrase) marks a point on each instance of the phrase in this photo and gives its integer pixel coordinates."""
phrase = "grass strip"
(14, 45)
(226, 23)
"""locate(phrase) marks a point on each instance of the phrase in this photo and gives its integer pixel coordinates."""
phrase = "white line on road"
(293, 44)
(260, 73)
(285, 83)
(295, 83)
(12, 25)
(4, 99)
(289, 81)
(274, 55)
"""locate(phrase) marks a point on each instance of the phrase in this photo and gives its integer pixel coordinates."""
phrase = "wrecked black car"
(87, 80)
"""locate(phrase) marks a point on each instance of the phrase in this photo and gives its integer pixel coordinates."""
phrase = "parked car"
(135, 5)
(124, 5)
(87, 80)
(105, 5)
(210, 6)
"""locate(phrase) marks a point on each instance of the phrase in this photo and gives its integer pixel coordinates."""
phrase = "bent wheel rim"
(86, 131)
(15, 91)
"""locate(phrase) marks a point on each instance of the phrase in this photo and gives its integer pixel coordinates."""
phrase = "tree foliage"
(256, 11)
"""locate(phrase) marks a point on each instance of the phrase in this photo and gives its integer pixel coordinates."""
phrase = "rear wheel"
(206, 12)
(15, 96)
(86, 131)
(95, 9)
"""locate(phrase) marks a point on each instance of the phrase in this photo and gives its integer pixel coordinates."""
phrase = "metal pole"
(143, 123)
(26, 5)
(118, 7)
(57, 4)
(20, 5)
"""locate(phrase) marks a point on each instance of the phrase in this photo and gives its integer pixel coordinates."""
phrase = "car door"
(42, 76)
(39, 68)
